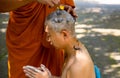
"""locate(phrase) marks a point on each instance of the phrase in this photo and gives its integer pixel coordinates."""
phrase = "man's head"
(60, 20)
(59, 23)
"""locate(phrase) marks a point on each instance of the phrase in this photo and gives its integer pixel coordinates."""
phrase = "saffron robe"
(26, 40)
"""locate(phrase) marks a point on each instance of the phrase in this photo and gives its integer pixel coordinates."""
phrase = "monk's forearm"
(8, 5)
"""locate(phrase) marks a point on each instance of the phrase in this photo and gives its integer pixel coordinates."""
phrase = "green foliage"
(3, 55)
(112, 61)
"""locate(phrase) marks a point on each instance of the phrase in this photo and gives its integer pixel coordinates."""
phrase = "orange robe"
(26, 43)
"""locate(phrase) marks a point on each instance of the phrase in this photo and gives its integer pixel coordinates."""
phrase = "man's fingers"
(32, 69)
(29, 74)
(43, 67)
(29, 71)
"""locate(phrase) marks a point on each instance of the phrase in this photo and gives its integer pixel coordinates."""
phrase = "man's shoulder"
(82, 56)
(82, 60)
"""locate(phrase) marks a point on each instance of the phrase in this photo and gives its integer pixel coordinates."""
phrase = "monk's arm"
(8, 5)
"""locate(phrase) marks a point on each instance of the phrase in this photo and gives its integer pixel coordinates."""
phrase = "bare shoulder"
(82, 67)
(82, 56)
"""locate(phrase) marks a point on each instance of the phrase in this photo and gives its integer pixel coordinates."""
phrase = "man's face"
(55, 39)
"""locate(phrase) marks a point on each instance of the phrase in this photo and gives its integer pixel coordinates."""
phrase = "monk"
(78, 63)
(25, 36)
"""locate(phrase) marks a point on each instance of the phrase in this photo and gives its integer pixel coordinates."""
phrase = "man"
(61, 34)
(25, 36)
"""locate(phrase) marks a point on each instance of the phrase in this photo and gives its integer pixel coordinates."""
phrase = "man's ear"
(65, 33)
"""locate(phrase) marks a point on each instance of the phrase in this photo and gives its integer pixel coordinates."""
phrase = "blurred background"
(97, 27)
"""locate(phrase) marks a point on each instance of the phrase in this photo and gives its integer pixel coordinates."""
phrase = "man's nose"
(46, 29)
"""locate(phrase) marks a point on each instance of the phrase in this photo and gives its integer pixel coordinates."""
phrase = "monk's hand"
(70, 10)
(51, 3)
(33, 72)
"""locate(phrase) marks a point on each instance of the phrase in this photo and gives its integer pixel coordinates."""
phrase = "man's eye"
(48, 35)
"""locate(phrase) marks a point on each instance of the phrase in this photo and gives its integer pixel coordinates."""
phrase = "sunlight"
(5, 22)
(81, 28)
(3, 30)
(108, 70)
(116, 56)
(115, 32)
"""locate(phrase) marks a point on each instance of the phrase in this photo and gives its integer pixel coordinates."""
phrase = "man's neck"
(70, 50)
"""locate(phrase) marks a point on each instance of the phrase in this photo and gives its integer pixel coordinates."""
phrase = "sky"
(108, 1)
(104, 1)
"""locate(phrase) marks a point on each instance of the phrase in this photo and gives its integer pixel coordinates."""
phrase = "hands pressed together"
(40, 72)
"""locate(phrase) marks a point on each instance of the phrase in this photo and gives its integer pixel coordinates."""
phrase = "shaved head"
(61, 20)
